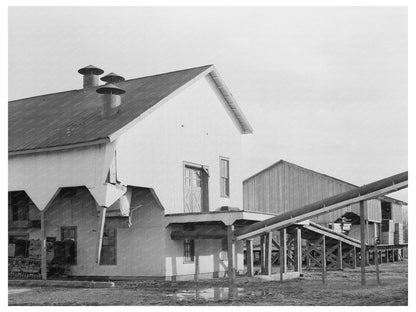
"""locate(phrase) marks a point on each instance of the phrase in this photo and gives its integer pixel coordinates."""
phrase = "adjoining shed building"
(284, 186)
(132, 178)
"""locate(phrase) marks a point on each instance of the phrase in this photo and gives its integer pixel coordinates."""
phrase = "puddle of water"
(18, 290)
(210, 294)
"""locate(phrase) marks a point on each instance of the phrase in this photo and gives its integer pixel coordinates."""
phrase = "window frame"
(189, 258)
(227, 179)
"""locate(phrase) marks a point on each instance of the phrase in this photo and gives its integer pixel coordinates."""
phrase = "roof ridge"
(127, 80)
(170, 72)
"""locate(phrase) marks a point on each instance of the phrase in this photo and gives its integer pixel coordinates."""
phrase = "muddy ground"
(342, 288)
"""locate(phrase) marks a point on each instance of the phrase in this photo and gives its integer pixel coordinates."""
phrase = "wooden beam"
(198, 234)
(43, 267)
(268, 254)
(376, 261)
(249, 256)
(369, 191)
(298, 250)
(196, 256)
(354, 258)
(101, 232)
(363, 251)
(367, 238)
(283, 253)
(323, 259)
(340, 255)
(275, 244)
(230, 252)
(262, 254)
(331, 235)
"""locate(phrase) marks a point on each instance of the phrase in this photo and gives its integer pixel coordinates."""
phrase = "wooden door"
(194, 189)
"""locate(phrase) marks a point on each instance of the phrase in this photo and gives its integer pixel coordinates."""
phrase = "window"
(108, 249)
(19, 203)
(189, 250)
(20, 244)
(69, 247)
(225, 177)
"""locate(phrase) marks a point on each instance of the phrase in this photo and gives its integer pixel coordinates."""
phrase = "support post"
(43, 268)
(230, 252)
(363, 249)
(268, 254)
(323, 259)
(262, 254)
(367, 240)
(354, 257)
(283, 253)
(196, 256)
(101, 232)
(340, 255)
(376, 261)
(249, 254)
(298, 250)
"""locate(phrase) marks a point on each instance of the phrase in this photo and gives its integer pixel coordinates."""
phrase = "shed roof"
(70, 118)
(280, 162)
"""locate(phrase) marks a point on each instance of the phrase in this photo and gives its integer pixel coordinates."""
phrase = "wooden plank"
(262, 254)
(268, 254)
(230, 252)
(43, 267)
(323, 259)
(376, 262)
(363, 239)
(298, 249)
(202, 233)
(354, 258)
(330, 235)
(283, 253)
(196, 256)
(249, 254)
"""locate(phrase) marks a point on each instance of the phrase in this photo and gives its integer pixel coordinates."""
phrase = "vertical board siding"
(284, 187)
(396, 213)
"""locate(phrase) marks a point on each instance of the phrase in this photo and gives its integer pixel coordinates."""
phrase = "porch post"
(298, 250)
(249, 253)
(268, 254)
(230, 251)
(43, 268)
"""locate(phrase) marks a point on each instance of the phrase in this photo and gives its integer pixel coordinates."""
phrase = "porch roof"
(226, 217)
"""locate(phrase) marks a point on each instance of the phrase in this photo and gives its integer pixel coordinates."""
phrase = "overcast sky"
(323, 87)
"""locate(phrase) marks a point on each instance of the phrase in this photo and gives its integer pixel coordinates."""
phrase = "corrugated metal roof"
(71, 117)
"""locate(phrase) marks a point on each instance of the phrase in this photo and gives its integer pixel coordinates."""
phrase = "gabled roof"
(280, 162)
(71, 118)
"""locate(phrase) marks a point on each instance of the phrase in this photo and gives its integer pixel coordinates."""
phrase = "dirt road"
(342, 288)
